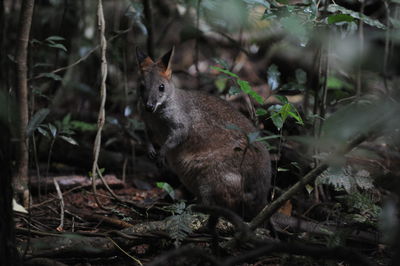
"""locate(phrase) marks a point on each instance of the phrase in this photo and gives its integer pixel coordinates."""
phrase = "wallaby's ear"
(165, 62)
(142, 59)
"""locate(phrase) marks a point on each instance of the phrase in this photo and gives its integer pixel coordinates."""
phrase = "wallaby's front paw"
(151, 152)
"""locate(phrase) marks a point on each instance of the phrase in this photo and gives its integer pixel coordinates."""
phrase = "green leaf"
(167, 188)
(53, 129)
(43, 132)
(50, 75)
(269, 137)
(277, 120)
(309, 188)
(285, 111)
(261, 112)
(83, 126)
(225, 71)
(233, 90)
(280, 169)
(336, 83)
(296, 116)
(282, 99)
(221, 62)
(220, 84)
(273, 77)
(301, 76)
(333, 8)
(66, 119)
(69, 140)
(42, 65)
(252, 136)
(55, 38)
(36, 120)
(58, 46)
(246, 88)
(335, 18)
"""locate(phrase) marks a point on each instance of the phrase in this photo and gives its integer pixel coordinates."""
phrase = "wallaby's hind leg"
(222, 190)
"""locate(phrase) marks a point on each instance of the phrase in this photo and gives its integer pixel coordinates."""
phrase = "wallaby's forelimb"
(176, 137)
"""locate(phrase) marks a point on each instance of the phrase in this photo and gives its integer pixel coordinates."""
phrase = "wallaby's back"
(216, 162)
(204, 140)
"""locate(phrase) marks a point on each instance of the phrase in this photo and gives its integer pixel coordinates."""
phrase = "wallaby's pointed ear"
(165, 62)
(142, 59)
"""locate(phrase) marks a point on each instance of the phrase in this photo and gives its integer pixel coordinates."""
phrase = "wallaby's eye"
(161, 88)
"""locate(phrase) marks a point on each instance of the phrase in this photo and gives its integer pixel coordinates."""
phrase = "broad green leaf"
(167, 188)
(55, 38)
(297, 117)
(51, 75)
(43, 132)
(335, 18)
(277, 120)
(53, 129)
(284, 112)
(83, 126)
(282, 99)
(295, 114)
(58, 46)
(69, 140)
(66, 119)
(333, 8)
(246, 88)
(36, 120)
(225, 71)
(261, 111)
(220, 83)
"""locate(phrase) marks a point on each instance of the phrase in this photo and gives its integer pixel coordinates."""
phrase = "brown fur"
(212, 160)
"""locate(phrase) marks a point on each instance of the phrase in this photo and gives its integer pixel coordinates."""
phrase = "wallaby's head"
(156, 85)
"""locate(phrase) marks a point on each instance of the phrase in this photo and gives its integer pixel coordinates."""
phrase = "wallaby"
(204, 141)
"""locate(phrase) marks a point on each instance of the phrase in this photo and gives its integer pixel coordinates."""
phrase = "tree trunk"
(8, 251)
(21, 180)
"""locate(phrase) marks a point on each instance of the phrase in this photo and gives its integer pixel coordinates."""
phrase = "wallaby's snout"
(150, 107)
(156, 80)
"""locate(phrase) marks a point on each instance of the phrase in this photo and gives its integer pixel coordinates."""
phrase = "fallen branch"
(73, 181)
(60, 228)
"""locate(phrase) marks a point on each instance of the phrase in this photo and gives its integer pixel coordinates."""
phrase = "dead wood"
(72, 181)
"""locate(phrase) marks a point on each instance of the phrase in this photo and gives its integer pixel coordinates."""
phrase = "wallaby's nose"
(150, 107)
